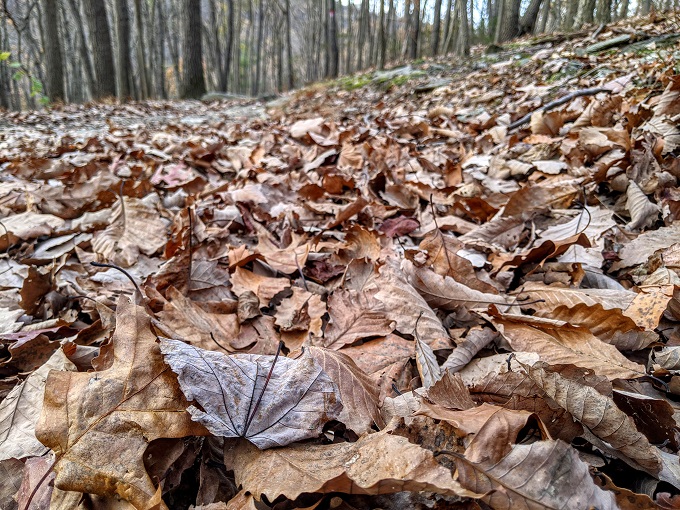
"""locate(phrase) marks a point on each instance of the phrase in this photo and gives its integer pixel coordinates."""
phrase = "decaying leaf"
(599, 414)
(269, 403)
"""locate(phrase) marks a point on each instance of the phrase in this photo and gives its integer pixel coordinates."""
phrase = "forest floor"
(452, 284)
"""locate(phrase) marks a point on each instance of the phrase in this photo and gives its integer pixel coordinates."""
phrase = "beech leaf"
(599, 414)
(376, 464)
(268, 400)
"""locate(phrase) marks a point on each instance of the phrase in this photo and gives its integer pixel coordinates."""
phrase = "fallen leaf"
(376, 464)
(358, 392)
(269, 403)
(87, 416)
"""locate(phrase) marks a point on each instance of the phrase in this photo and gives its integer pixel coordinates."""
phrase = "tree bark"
(194, 78)
(104, 70)
(144, 79)
(334, 57)
(53, 52)
(508, 20)
(123, 36)
(382, 37)
(414, 34)
(436, 26)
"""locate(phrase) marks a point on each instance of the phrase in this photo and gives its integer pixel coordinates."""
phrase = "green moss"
(354, 82)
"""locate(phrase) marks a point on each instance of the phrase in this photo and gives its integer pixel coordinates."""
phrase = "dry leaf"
(559, 343)
(269, 400)
(87, 416)
(599, 414)
(354, 316)
(135, 228)
(376, 464)
(358, 392)
(20, 410)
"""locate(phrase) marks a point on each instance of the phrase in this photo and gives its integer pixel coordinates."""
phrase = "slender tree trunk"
(382, 37)
(123, 36)
(363, 29)
(258, 56)
(333, 36)
(348, 55)
(53, 52)
(160, 37)
(229, 50)
(414, 36)
(463, 43)
(194, 78)
(436, 26)
(105, 72)
(447, 24)
(142, 66)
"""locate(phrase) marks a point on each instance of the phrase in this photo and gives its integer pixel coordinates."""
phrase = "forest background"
(81, 50)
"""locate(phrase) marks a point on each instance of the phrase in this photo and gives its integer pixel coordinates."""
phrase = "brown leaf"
(269, 400)
(406, 306)
(21, 408)
(358, 392)
(264, 287)
(450, 392)
(442, 256)
(445, 292)
(195, 322)
(476, 340)
(426, 361)
(376, 464)
(87, 416)
(559, 343)
(135, 228)
(354, 316)
(598, 413)
(519, 478)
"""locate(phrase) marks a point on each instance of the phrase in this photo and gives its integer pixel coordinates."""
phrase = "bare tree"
(194, 78)
(53, 52)
(104, 70)
(123, 35)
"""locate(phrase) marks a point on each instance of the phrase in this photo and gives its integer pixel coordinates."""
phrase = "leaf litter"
(462, 295)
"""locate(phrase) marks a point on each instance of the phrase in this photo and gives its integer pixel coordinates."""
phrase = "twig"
(113, 266)
(191, 247)
(558, 102)
(264, 388)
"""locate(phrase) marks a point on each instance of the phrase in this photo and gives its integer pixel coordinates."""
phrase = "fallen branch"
(556, 103)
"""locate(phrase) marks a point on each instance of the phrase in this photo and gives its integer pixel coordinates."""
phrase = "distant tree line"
(80, 50)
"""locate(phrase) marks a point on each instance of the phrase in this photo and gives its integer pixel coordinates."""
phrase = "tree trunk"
(123, 36)
(258, 56)
(104, 70)
(414, 34)
(436, 26)
(142, 66)
(508, 20)
(463, 43)
(528, 21)
(334, 57)
(382, 37)
(160, 38)
(53, 52)
(194, 78)
(229, 50)
(363, 22)
(348, 54)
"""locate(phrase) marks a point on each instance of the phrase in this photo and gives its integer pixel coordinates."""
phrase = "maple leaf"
(269, 400)
(89, 415)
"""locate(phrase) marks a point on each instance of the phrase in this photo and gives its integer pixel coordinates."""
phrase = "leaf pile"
(386, 297)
